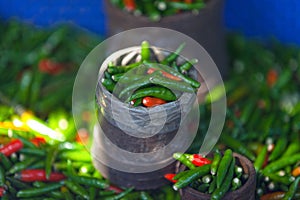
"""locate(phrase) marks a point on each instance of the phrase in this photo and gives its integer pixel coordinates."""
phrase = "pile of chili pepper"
(215, 176)
(146, 80)
(156, 9)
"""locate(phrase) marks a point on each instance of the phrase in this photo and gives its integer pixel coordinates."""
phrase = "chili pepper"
(172, 56)
(185, 67)
(136, 102)
(2, 176)
(66, 193)
(281, 179)
(122, 69)
(26, 142)
(36, 152)
(21, 165)
(296, 171)
(74, 155)
(117, 77)
(90, 181)
(145, 196)
(155, 91)
(31, 175)
(103, 193)
(259, 161)
(92, 193)
(278, 149)
(212, 185)
(281, 163)
(169, 70)
(77, 189)
(291, 149)
(198, 160)
(108, 84)
(170, 177)
(50, 67)
(236, 184)
(192, 175)
(171, 84)
(2, 191)
(222, 189)
(126, 78)
(273, 196)
(224, 166)
(5, 161)
(237, 146)
(184, 160)
(38, 141)
(50, 157)
(17, 184)
(215, 163)
(24, 88)
(272, 77)
(165, 74)
(145, 50)
(129, 5)
(120, 195)
(33, 192)
(11, 147)
(292, 190)
(137, 84)
(114, 189)
(37, 165)
(152, 101)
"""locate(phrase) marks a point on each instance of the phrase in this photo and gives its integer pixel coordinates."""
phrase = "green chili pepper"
(187, 65)
(184, 160)
(155, 91)
(281, 179)
(37, 165)
(112, 69)
(108, 84)
(292, 190)
(259, 161)
(145, 50)
(172, 56)
(191, 176)
(212, 185)
(33, 192)
(279, 148)
(203, 187)
(180, 174)
(281, 163)
(127, 78)
(171, 84)
(90, 181)
(120, 195)
(82, 156)
(50, 157)
(25, 84)
(5, 161)
(103, 193)
(77, 189)
(237, 146)
(293, 147)
(92, 193)
(108, 75)
(145, 196)
(21, 165)
(67, 194)
(2, 176)
(222, 189)
(35, 152)
(17, 184)
(186, 6)
(236, 184)
(224, 166)
(215, 163)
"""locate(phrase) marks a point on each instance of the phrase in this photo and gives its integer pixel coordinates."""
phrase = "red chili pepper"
(170, 177)
(198, 160)
(165, 74)
(152, 101)
(11, 147)
(50, 67)
(37, 141)
(129, 5)
(31, 175)
(273, 196)
(2, 191)
(272, 77)
(114, 188)
(188, 1)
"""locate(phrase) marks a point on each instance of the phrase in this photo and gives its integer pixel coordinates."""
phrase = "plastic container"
(206, 27)
(120, 132)
(245, 192)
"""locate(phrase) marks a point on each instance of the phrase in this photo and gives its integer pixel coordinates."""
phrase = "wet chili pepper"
(215, 163)
(154, 91)
(11, 147)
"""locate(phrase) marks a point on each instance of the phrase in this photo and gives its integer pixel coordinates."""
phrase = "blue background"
(260, 19)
